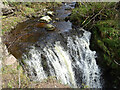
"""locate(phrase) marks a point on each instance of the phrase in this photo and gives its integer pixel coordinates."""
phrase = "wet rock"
(68, 8)
(57, 19)
(50, 27)
(50, 13)
(12, 27)
(45, 9)
(54, 21)
(67, 18)
(40, 25)
(45, 19)
(59, 3)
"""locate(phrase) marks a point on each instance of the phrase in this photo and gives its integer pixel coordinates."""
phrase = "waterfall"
(73, 64)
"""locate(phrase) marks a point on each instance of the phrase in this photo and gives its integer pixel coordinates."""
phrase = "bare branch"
(116, 62)
(94, 17)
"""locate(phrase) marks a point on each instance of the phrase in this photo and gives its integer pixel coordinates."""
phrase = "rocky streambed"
(31, 31)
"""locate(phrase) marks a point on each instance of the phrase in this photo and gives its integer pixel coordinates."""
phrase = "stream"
(64, 53)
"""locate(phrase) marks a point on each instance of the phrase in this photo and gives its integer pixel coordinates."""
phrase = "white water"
(77, 61)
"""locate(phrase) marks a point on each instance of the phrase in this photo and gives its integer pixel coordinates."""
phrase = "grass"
(11, 75)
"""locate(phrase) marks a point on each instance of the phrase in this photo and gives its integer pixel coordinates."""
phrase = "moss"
(108, 23)
(10, 23)
(27, 10)
(103, 47)
(107, 59)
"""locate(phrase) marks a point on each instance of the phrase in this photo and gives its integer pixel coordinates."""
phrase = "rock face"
(50, 27)
(45, 19)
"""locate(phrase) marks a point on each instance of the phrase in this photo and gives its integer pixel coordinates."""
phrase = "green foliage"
(105, 29)
(85, 12)
(103, 47)
(10, 85)
(28, 11)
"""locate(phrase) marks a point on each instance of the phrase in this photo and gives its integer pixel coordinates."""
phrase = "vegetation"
(13, 76)
(102, 20)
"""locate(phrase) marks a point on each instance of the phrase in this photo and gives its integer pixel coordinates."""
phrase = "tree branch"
(116, 63)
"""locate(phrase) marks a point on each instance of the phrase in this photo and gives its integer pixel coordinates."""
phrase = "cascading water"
(63, 53)
(72, 63)
(85, 60)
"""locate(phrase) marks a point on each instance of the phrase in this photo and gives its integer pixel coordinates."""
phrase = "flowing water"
(73, 66)
(64, 54)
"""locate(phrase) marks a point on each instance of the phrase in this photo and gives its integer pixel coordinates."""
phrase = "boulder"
(57, 19)
(50, 13)
(45, 19)
(50, 27)
(10, 60)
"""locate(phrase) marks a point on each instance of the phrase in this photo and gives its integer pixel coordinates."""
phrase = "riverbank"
(13, 75)
(18, 12)
(102, 19)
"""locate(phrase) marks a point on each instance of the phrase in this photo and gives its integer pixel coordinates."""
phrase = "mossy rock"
(50, 27)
